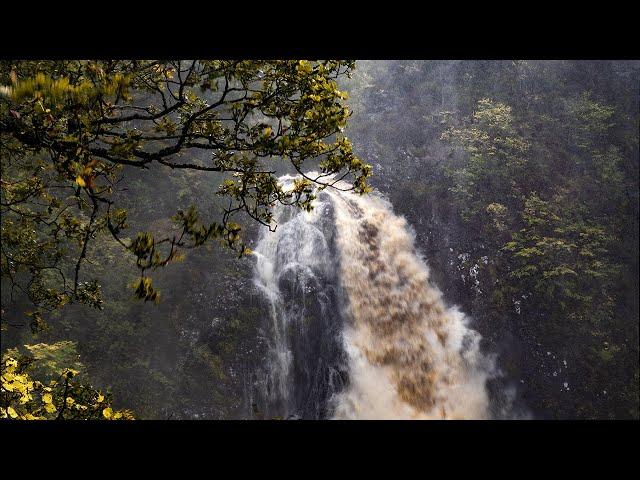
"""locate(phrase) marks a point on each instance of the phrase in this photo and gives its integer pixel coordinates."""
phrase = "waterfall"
(297, 273)
(356, 329)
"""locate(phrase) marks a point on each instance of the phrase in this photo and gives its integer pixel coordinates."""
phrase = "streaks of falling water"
(373, 313)
(296, 272)
(409, 355)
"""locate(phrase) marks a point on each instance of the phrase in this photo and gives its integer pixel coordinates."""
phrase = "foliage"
(496, 159)
(36, 388)
(69, 128)
(552, 237)
(521, 179)
(565, 259)
(48, 360)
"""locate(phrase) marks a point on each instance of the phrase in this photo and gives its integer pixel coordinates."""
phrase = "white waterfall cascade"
(407, 355)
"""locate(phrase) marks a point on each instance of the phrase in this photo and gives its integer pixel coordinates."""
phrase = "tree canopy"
(72, 130)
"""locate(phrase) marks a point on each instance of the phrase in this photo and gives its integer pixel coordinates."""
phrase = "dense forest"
(151, 209)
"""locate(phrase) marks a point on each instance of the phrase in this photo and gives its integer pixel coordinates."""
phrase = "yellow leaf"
(49, 408)
(12, 413)
(46, 398)
(80, 181)
(107, 412)
(70, 401)
(100, 398)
